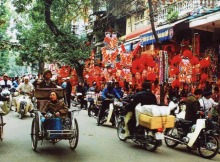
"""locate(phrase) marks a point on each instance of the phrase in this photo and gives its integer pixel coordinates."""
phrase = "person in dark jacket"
(68, 91)
(193, 106)
(145, 97)
(47, 83)
(108, 93)
(81, 89)
(119, 89)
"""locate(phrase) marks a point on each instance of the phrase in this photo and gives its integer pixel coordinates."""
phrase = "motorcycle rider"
(145, 97)
(5, 82)
(193, 106)
(25, 87)
(108, 93)
(119, 89)
(47, 83)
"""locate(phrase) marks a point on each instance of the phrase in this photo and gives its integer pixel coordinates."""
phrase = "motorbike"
(149, 139)
(201, 136)
(74, 98)
(6, 96)
(92, 102)
(111, 115)
(23, 103)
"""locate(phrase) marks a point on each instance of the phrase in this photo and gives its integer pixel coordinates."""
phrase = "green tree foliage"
(4, 22)
(46, 34)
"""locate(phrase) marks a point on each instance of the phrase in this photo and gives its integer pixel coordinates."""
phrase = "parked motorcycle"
(201, 136)
(23, 103)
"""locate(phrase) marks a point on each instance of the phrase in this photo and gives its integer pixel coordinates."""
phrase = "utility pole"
(158, 42)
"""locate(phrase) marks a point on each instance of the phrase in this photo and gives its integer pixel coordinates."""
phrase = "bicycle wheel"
(74, 141)
(208, 146)
(35, 132)
(1, 127)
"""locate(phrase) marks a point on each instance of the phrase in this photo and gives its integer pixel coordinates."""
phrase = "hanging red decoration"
(137, 66)
(204, 63)
(123, 48)
(193, 71)
(136, 49)
(188, 53)
(118, 66)
(152, 64)
(121, 84)
(204, 76)
(194, 60)
(151, 76)
(176, 70)
(176, 83)
(176, 59)
(194, 79)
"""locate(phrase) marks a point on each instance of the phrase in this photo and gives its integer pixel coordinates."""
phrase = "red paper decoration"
(204, 76)
(204, 63)
(176, 71)
(187, 53)
(176, 83)
(194, 79)
(137, 67)
(176, 59)
(151, 77)
(123, 48)
(152, 64)
(194, 60)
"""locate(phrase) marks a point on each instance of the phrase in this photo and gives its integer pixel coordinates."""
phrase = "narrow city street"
(96, 144)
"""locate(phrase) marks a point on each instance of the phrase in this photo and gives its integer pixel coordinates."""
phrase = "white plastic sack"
(151, 110)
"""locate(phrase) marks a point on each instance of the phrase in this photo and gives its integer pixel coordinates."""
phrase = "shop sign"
(163, 34)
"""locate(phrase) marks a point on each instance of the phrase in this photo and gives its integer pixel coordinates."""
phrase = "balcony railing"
(184, 8)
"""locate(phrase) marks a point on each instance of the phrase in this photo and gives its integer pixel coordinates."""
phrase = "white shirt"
(2, 83)
(25, 87)
(207, 104)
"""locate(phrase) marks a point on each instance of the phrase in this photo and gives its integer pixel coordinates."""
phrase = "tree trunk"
(158, 42)
(41, 67)
(79, 70)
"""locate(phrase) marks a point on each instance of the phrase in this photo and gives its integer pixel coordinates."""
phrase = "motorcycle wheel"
(208, 146)
(22, 111)
(91, 110)
(152, 144)
(121, 130)
(171, 133)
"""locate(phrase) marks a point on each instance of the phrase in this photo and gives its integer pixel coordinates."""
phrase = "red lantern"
(193, 71)
(176, 59)
(204, 76)
(152, 64)
(204, 63)
(176, 71)
(137, 66)
(151, 77)
(194, 79)
(187, 53)
(176, 83)
(194, 60)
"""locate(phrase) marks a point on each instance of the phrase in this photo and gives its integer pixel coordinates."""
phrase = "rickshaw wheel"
(1, 127)
(34, 133)
(74, 141)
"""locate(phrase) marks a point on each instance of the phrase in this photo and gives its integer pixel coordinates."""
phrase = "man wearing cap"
(5, 82)
(47, 83)
(25, 87)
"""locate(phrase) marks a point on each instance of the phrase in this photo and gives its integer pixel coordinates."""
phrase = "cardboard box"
(156, 122)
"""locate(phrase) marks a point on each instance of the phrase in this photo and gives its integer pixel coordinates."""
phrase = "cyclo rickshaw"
(39, 131)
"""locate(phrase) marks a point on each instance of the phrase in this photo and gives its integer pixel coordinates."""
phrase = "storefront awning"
(207, 22)
(135, 34)
(164, 33)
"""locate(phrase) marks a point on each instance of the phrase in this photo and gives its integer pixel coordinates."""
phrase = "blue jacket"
(110, 94)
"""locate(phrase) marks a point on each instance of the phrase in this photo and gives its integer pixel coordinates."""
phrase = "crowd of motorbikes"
(202, 136)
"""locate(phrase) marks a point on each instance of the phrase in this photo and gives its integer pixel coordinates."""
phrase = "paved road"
(96, 144)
